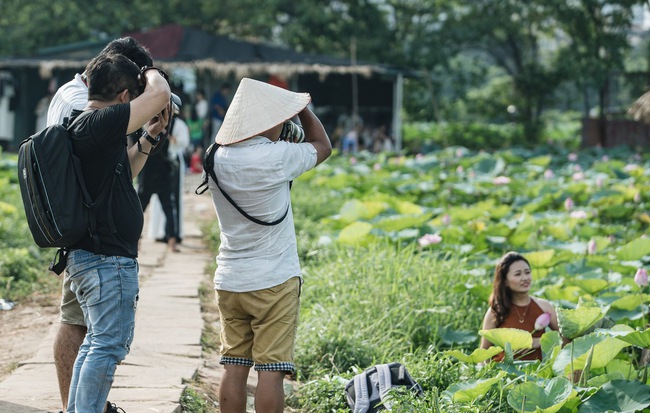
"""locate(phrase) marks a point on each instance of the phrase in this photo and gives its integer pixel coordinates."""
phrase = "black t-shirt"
(99, 140)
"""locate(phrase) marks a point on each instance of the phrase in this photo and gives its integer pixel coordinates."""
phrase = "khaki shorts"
(71, 312)
(258, 328)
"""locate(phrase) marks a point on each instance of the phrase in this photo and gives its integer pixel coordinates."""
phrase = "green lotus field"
(398, 254)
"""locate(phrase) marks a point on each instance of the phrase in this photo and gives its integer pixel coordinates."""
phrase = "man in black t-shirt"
(102, 268)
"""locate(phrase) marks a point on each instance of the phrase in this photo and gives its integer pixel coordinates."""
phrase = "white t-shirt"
(72, 95)
(256, 173)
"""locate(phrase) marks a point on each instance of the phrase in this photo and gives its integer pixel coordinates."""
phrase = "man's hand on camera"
(159, 122)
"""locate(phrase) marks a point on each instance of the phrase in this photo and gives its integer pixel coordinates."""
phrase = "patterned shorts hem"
(285, 367)
(236, 361)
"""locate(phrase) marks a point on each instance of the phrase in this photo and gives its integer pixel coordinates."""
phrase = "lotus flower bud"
(543, 321)
(641, 278)
(568, 204)
(591, 247)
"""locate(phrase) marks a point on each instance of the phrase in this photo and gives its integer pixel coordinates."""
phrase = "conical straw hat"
(257, 107)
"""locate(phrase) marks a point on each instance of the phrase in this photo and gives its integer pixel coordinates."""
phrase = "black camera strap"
(208, 168)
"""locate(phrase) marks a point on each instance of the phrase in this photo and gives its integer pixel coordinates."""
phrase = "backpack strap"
(208, 171)
(361, 394)
(385, 383)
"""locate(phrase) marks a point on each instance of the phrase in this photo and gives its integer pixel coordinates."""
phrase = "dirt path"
(22, 329)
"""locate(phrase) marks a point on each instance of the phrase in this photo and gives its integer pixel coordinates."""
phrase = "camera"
(292, 132)
(175, 103)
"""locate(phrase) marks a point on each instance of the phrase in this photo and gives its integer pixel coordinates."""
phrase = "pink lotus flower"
(460, 169)
(578, 176)
(429, 239)
(353, 160)
(501, 180)
(578, 214)
(446, 219)
(599, 181)
(637, 197)
(419, 156)
(568, 204)
(591, 247)
(641, 277)
(542, 321)
(548, 174)
(572, 157)
(376, 167)
(605, 158)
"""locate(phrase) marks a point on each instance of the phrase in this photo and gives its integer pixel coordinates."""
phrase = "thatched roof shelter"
(640, 109)
(214, 59)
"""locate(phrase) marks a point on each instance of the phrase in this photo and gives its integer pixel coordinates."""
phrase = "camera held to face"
(175, 103)
(292, 132)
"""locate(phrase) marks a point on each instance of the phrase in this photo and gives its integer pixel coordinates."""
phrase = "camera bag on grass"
(59, 210)
(368, 392)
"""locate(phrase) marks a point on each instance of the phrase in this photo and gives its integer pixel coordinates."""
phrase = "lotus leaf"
(355, 233)
(353, 210)
(590, 285)
(540, 160)
(469, 390)
(575, 322)
(489, 166)
(450, 336)
(540, 258)
(530, 397)
(630, 302)
(634, 337)
(619, 396)
(549, 341)
(603, 350)
(399, 222)
(634, 250)
(479, 355)
(405, 207)
(518, 339)
(558, 293)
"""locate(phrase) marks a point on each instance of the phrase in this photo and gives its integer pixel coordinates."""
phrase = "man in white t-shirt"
(258, 277)
(74, 96)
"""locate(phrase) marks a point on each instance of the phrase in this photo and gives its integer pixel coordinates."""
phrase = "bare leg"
(66, 346)
(172, 244)
(232, 389)
(269, 396)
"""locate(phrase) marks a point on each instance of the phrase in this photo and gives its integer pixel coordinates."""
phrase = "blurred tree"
(513, 34)
(598, 39)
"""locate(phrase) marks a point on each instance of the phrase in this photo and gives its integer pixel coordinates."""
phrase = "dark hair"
(110, 74)
(129, 47)
(501, 297)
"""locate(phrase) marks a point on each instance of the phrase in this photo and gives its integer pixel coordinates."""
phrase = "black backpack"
(58, 207)
(367, 392)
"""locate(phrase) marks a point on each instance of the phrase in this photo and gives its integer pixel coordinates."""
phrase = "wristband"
(144, 69)
(140, 148)
(153, 141)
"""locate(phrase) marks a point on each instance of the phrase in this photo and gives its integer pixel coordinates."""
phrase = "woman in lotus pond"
(512, 306)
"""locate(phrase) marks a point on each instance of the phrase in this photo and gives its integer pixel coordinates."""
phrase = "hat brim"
(256, 108)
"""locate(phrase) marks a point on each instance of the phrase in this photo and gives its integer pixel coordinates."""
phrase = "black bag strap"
(208, 169)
